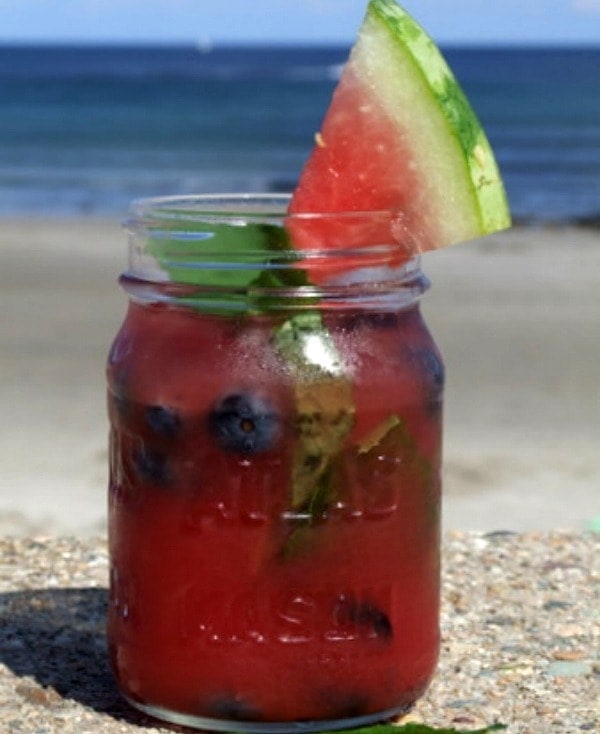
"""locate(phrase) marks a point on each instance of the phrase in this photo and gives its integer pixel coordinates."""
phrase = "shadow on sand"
(57, 637)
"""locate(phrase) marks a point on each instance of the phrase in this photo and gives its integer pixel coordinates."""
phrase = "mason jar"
(275, 403)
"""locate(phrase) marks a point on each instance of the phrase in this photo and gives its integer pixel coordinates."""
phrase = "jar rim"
(216, 244)
(324, 236)
(227, 207)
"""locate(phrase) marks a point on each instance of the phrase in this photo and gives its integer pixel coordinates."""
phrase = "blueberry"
(151, 465)
(233, 708)
(368, 615)
(122, 405)
(431, 370)
(164, 421)
(244, 424)
(118, 393)
(119, 406)
(365, 615)
(344, 705)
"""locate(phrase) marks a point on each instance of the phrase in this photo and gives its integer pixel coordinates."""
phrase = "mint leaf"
(229, 268)
(210, 254)
(324, 417)
(324, 406)
(391, 449)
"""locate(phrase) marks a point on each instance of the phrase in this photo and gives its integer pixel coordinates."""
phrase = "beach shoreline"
(517, 318)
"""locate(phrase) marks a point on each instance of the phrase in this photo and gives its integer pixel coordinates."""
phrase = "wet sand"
(517, 318)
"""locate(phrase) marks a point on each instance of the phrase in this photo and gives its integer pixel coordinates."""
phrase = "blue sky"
(448, 21)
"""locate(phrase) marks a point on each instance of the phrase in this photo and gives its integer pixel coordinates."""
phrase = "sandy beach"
(517, 318)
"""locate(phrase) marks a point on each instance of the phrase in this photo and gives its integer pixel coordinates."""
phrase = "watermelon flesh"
(399, 137)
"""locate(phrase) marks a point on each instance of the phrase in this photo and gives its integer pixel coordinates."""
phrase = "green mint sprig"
(225, 269)
(324, 404)
(251, 268)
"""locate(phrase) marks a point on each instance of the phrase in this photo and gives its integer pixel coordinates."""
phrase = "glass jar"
(275, 449)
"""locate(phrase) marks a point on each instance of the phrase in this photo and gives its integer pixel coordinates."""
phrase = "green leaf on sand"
(414, 728)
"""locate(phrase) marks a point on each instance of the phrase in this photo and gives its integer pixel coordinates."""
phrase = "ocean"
(83, 130)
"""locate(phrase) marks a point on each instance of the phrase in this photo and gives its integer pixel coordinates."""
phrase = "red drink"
(274, 510)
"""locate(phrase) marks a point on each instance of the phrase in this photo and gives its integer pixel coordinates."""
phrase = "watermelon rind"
(400, 136)
(413, 82)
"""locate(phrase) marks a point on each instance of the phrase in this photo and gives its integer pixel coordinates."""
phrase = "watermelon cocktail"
(275, 406)
(275, 457)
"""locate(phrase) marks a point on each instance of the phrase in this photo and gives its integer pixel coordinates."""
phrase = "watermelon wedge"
(399, 137)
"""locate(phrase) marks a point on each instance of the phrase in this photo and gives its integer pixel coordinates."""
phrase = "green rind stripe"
(488, 190)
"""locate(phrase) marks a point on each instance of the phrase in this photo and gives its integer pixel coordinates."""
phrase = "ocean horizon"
(87, 128)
